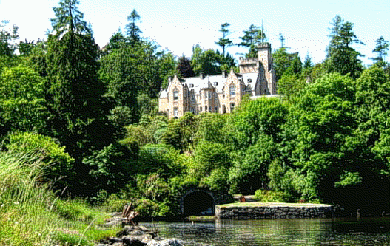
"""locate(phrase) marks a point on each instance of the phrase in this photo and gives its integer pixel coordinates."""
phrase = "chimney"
(223, 73)
(202, 75)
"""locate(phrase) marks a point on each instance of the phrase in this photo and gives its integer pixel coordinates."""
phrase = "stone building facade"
(220, 93)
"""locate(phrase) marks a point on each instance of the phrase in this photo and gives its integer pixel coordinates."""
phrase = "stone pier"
(244, 211)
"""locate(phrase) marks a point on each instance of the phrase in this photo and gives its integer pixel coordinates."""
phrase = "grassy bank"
(30, 214)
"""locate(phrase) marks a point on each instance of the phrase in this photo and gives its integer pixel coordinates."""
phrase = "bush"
(272, 196)
(35, 148)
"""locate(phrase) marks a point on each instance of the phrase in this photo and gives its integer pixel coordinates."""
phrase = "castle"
(220, 93)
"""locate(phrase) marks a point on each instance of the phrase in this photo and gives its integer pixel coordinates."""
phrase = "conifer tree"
(74, 90)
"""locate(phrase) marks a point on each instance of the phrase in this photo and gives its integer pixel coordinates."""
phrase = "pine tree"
(251, 39)
(132, 30)
(381, 48)
(341, 57)
(224, 42)
(74, 91)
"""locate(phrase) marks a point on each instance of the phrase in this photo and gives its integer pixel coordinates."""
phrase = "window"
(175, 112)
(215, 83)
(205, 94)
(205, 108)
(210, 109)
(210, 95)
(232, 90)
(249, 80)
(232, 107)
(175, 95)
(200, 109)
(192, 97)
(216, 109)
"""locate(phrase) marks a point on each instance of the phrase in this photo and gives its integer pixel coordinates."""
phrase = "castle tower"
(267, 73)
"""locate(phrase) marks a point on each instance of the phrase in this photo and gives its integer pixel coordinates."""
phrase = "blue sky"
(178, 25)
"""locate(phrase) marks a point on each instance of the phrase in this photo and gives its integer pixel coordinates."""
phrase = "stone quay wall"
(274, 212)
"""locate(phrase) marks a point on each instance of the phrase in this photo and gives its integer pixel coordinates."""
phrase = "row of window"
(176, 110)
(207, 94)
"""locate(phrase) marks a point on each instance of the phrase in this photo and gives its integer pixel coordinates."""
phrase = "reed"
(30, 213)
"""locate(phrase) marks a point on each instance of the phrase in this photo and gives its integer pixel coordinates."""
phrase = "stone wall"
(274, 211)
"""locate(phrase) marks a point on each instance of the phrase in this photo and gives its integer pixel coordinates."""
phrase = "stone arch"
(198, 202)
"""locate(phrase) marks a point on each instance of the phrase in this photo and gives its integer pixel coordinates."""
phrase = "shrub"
(271, 196)
(35, 148)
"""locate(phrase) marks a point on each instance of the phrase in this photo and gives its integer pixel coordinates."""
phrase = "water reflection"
(278, 232)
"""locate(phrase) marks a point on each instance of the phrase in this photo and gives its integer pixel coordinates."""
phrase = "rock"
(129, 241)
(166, 242)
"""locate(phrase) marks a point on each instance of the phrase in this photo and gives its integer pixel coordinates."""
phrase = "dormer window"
(215, 83)
(249, 80)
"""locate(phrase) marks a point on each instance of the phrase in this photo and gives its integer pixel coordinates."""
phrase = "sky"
(179, 25)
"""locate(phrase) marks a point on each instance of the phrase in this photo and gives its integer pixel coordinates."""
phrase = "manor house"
(220, 93)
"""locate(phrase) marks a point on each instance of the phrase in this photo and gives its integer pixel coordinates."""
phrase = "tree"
(132, 30)
(22, 102)
(224, 42)
(69, 19)
(283, 60)
(206, 61)
(316, 138)
(78, 110)
(134, 69)
(290, 85)
(7, 39)
(251, 39)
(381, 48)
(307, 64)
(341, 57)
(185, 68)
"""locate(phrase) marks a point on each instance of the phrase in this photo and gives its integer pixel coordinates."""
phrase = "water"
(372, 231)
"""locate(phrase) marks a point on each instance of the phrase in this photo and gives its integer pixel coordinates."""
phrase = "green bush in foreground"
(30, 214)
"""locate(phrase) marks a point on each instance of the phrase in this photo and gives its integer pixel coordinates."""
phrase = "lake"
(340, 231)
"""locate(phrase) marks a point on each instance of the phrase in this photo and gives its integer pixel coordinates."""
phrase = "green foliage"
(342, 58)
(78, 110)
(251, 39)
(111, 167)
(133, 31)
(381, 49)
(159, 158)
(254, 118)
(184, 67)
(224, 42)
(31, 215)
(32, 147)
(7, 39)
(249, 172)
(69, 19)
(320, 124)
(136, 71)
(180, 132)
(290, 85)
(210, 62)
(146, 207)
(348, 178)
(271, 196)
(22, 103)
(284, 62)
(209, 156)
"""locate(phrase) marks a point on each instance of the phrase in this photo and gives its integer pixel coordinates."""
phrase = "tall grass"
(30, 214)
